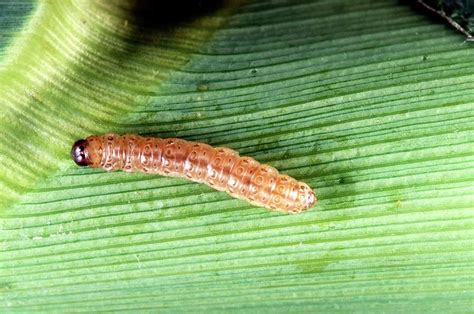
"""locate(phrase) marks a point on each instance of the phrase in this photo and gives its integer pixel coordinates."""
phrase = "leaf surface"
(369, 103)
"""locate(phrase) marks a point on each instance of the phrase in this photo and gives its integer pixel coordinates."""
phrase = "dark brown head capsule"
(80, 154)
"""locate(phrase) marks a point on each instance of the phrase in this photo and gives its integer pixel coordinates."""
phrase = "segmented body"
(220, 168)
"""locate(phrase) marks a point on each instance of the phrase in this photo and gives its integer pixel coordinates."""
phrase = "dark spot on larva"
(196, 145)
(253, 72)
(110, 138)
(79, 153)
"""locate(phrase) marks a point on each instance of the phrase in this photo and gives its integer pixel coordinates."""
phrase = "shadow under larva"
(220, 168)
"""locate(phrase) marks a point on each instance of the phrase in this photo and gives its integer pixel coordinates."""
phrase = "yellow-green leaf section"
(367, 102)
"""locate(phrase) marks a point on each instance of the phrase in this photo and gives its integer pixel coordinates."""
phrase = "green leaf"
(369, 103)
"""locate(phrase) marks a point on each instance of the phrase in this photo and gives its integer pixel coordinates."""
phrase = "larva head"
(88, 152)
(80, 154)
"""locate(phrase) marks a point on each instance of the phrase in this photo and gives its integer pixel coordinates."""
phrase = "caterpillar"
(220, 168)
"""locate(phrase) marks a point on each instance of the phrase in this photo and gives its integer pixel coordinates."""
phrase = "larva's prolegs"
(220, 168)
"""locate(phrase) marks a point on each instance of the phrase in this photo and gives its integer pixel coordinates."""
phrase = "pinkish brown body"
(220, 168)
